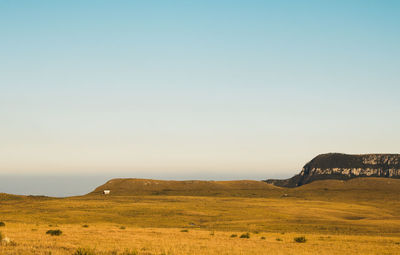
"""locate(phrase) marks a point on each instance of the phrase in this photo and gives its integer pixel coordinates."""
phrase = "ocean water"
(55, 186)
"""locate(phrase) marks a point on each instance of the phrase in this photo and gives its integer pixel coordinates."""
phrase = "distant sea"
(75, 185)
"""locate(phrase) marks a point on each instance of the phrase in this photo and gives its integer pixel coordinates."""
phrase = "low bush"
(300, 239)
(233, 235)
(12, 243)
(6, 241)
(54, 232)
(85, 226)
(278, 239)
(2, 224)
(184, 230)
(246, 235)
(263, 238)
(122, 227)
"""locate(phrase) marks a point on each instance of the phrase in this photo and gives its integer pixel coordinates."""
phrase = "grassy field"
(360, 216)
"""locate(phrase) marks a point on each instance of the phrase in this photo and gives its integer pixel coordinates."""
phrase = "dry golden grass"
(357, 217)
(110, 239)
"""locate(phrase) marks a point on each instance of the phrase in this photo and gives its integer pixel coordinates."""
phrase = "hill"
(132, 186)
(5, 197)
(363, 188)
(343, 167)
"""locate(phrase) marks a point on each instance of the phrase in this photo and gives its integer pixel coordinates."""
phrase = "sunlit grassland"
(334, 220)
(111, 239)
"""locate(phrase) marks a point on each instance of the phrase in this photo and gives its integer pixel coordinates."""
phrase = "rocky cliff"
(343, 166)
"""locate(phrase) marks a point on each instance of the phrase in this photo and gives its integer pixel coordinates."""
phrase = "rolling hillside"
(192, 188)
(151, 217)
(363, 188)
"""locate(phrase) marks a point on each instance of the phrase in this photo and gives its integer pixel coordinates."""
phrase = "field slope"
(358, 216)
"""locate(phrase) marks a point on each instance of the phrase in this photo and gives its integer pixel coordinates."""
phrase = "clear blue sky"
(202, 89)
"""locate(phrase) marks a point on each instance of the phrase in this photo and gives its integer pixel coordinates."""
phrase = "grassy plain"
(360, 216)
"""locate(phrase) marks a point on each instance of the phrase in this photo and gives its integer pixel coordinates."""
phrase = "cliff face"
(343, 166)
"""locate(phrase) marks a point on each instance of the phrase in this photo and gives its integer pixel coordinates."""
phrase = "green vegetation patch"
(245, 235)
(54, 232)
(300, 239)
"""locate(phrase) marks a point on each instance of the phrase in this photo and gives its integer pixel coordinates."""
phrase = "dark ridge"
(342, 167)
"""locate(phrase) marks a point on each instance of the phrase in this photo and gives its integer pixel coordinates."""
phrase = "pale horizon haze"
(192, 89)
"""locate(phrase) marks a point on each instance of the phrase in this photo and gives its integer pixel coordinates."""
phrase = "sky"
(195, 89)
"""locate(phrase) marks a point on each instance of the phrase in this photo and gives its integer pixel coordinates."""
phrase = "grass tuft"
(129, 252)
(84, 251)
(2, 224)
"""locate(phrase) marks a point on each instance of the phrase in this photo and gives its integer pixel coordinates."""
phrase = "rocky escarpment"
(343, 166)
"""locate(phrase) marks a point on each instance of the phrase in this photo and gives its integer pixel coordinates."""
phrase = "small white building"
(106, 192)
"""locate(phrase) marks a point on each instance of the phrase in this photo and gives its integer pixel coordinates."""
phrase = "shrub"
(122, 227)
(300, 239)
(12, 243)
(54, 232)
(85, 226)
(278, 239)
(6, 241)
(84, 251)
(2, 224)
(246, 235)
(263, 238)
(233, 235)
(184, 230)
